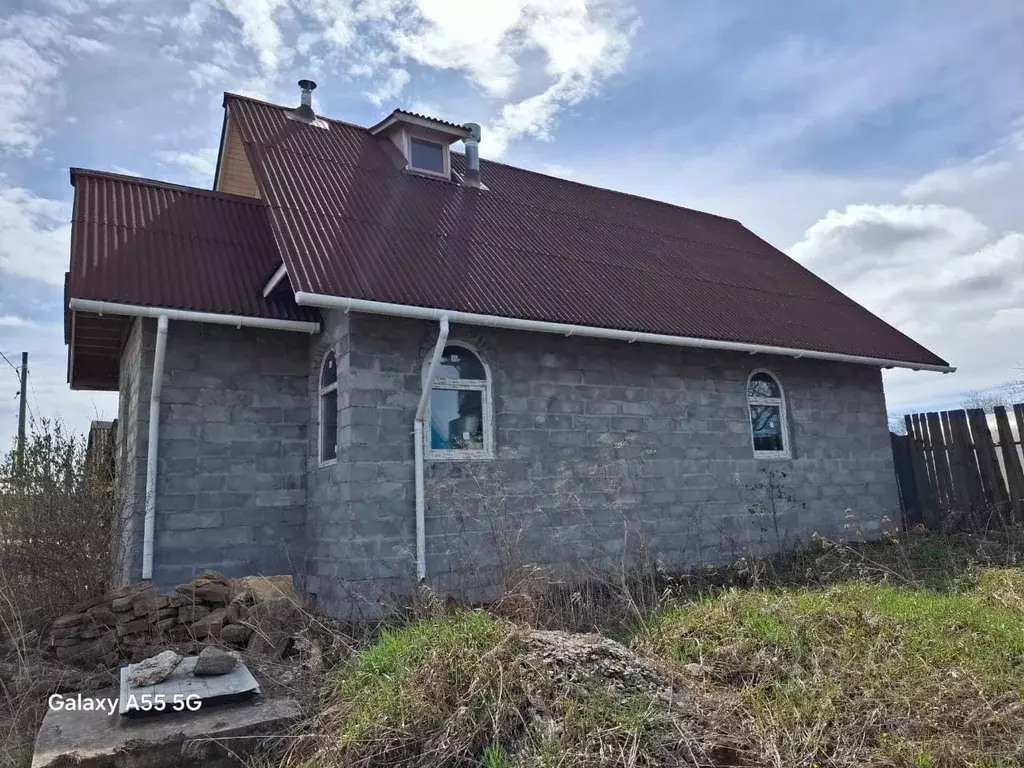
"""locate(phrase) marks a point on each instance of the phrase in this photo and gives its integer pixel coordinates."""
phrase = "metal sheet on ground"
(182, 684)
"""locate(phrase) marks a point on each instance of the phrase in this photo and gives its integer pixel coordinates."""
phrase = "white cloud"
(25, 82)
(391, 87)
(481, 45)
(938, 274)
(582, 44)
(260, 31)
(199, 165)
(956, 179)
(13, 321)
(33, 49)
(528, 59)
(35, 236)
(207, 74)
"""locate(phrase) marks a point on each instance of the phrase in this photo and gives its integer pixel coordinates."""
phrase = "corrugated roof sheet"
(137, 241)
(349, 222)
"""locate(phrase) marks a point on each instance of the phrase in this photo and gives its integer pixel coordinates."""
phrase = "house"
(363, 358)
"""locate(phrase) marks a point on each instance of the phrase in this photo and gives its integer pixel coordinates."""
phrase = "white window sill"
(770, 455)
(435, 455)
(328, 463)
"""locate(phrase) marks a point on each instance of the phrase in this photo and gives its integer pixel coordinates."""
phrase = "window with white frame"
(426, 155)
(767, 416)
(459, 408)
(328, 449)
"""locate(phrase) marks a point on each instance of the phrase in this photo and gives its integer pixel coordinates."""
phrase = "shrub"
(55, 518)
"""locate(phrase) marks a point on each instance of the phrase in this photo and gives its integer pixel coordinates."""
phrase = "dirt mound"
(600, 700)
(471, 689)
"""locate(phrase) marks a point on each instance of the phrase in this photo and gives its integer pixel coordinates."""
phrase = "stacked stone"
(128, 623)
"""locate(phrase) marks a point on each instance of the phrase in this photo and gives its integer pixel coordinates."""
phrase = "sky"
(880, 143)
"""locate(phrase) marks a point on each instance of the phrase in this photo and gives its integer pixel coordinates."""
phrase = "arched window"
(328, 449)
(767, 416)
(459, 409)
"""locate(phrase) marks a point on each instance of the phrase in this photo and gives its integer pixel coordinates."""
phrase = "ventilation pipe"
(151, 452)
(472, 143)
(305, 109)
(417, 432)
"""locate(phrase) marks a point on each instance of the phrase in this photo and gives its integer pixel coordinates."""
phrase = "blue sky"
(881, 142)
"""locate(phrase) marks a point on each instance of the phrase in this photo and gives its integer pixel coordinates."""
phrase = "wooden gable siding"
(236, 176)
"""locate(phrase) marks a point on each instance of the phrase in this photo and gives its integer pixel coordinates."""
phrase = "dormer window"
(423, 141)
(427, 155)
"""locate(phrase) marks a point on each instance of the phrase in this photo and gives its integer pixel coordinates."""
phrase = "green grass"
(438, 692)
(860, 673)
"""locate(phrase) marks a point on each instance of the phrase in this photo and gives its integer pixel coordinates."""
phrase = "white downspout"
(417, 432)
(151, 451)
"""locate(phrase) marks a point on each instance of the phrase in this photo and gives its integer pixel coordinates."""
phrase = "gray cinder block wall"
(600, 446)
(132, 427)
(231, 482)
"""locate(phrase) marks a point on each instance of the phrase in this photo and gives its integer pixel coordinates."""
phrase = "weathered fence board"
(948, 461)
(1011, 463)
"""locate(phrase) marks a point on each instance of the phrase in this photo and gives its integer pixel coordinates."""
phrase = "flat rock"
(209, 737)
(154, 670)
(190, 613)
(236, 634)
(260, 588)
(209, 587)
(209, 626)
(69, 620)
(214, 661)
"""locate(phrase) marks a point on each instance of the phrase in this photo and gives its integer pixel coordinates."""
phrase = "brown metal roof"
(149, 243)
(349, 222)
(154, 244)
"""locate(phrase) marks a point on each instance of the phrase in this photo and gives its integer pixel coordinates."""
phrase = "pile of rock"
(127, 623)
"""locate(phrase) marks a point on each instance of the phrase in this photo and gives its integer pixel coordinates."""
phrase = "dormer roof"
(400, 117)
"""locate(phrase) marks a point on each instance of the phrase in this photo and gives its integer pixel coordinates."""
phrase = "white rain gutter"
(417, 433)
(540, 326)
(163, 316)
(154, 440)
(238, 321)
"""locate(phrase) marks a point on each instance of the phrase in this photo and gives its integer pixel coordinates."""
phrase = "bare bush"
(55, 527)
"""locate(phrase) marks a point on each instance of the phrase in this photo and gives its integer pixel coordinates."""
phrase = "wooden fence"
(950, 461)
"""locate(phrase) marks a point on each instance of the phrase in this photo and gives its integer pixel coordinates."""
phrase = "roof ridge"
(145, 181)
(230, 94)
(282, 107)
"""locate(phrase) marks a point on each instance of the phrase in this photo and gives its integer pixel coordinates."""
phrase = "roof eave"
(540, 326)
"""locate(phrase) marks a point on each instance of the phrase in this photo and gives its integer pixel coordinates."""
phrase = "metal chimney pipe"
(472, 143)
(306, 107)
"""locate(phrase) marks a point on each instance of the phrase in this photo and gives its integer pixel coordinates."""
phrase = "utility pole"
(21, 411)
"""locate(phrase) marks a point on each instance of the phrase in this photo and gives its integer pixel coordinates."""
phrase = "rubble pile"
(126, 624)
